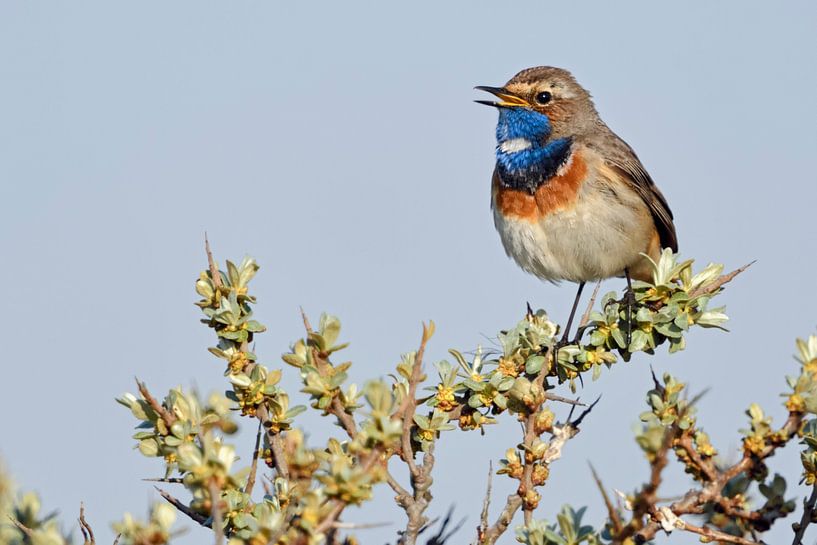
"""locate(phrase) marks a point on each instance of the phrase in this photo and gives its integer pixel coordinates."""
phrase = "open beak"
(506, 98)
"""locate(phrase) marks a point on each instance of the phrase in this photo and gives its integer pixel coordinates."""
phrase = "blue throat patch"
(533, 159)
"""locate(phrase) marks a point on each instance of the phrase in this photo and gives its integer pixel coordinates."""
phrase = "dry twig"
(85, 528)
(809, 506)
(694, 501)
(615, 519)
(196, 517)
(215, 512)
(254, 467)
(29, 533)
(168, 418)
(486, 504)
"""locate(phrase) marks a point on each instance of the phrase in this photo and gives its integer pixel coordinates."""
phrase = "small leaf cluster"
(226, 304)
(323, 380)
(803, 400)
(154, 531)
(185, 419)
(663, 311)
(226, 301)
(568, 530)
(380, 419)
(25, 508)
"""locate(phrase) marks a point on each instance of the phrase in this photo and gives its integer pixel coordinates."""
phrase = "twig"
(808, 513)
(402, 493)
(29, 533)
(196, 517)
(417, 502)
(707, 467)
(275, 445)
(336, 407)
(720, 281)
(694, 500)
(421, 484)
(330, 519)
(214, 272)
(504, 520)
(215, 513)
(409, 403)
(116, 541)
(714, 535)
(615, 519)
(254, 467)
(646, 499)
(307, 325)
(575, 424)
(168, 480)
(344, 418)
(85, 528)
(586, 316)
(262, 413)
(554, 397)
(168, 418)
(486, 504)
(360, 525)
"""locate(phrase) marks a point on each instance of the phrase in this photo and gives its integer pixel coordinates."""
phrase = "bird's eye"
(543, 97)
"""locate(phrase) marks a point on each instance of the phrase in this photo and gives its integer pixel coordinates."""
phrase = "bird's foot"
(557, 346)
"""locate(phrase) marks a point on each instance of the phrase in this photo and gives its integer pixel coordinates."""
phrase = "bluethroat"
(571, 200)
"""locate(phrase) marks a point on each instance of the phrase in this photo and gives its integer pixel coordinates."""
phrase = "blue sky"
(338, 144)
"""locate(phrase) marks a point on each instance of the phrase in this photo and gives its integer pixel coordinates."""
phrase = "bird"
(571, 200)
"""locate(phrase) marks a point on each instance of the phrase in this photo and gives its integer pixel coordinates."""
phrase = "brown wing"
(624, 161)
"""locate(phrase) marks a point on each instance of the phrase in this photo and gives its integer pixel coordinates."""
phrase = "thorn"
(578, 421)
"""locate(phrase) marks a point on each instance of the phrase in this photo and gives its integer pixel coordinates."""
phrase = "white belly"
(596, 239)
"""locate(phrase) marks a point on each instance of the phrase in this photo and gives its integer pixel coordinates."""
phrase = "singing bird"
(571, 200)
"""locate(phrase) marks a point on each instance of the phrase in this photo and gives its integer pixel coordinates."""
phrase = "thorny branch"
(262, 413)
(809, 507)
(645, 502)
(417, 502)
(647, 518)
(196, 517)
(348, 424)
(526, 496)
(694, 501)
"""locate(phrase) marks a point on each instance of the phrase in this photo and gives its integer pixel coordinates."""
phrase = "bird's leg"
(629, 299)
(564, 341)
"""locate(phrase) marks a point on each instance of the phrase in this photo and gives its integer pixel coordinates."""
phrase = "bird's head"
(541, 104)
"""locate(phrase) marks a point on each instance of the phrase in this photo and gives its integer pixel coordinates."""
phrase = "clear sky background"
(338, 143)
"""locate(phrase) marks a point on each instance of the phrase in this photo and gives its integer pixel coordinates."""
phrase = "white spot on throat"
(514, 145)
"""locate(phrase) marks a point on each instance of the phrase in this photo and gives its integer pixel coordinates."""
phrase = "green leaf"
(534, 364)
